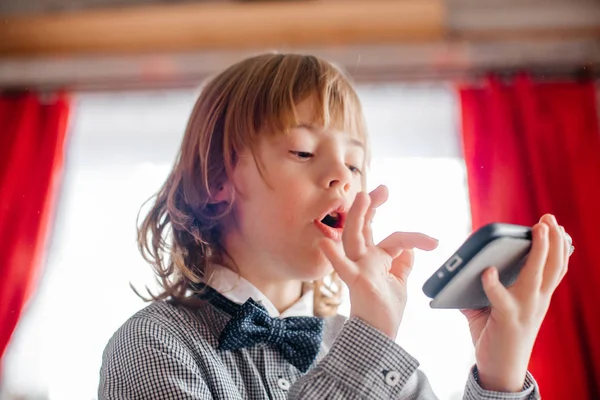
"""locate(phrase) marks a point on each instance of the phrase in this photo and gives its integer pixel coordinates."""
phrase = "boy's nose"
(339, 176)
(344, 186)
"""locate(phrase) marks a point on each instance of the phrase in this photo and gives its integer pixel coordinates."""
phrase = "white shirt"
(238, 290)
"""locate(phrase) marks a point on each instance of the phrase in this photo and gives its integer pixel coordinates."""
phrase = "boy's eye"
(302, 154)
(306, 155)
(354, 170)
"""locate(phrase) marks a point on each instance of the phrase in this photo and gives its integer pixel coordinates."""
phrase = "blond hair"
(181, 234)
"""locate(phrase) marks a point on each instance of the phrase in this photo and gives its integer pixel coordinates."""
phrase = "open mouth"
(332, 224)
(334, 220)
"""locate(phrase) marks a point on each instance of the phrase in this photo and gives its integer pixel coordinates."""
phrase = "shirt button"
(392, 378)
(283, 384)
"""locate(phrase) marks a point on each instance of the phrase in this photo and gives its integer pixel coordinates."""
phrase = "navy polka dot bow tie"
(298, 339)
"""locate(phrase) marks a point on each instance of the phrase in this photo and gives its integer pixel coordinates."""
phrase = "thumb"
(346, 269)
(497, 294)
(403, 264)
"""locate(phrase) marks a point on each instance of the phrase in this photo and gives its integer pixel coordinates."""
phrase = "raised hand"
(376, 275)
(504, 334)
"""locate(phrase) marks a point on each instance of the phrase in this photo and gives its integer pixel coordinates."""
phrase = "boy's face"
(277, 221)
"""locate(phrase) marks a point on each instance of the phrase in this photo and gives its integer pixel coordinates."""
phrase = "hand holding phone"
(505, 333)
(457, 283)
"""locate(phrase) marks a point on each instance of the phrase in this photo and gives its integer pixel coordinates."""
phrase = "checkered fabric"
(168, 351)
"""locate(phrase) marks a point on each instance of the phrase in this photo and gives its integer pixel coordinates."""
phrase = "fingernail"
(379, 186)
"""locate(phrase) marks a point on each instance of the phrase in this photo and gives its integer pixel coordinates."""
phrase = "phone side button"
(453, 263)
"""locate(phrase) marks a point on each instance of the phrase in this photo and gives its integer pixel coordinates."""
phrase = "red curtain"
(32, 141)
(533, 148)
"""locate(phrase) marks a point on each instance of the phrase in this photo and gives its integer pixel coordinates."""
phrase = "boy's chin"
(315, 269)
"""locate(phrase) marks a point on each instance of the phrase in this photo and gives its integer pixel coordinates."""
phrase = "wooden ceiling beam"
(222, 25)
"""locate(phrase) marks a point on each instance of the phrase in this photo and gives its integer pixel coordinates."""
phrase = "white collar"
(238, 290)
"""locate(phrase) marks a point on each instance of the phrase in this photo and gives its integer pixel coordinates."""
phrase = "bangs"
(276, 83)
(336, 103)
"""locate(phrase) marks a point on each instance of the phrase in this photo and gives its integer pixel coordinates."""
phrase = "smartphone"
(457, 283)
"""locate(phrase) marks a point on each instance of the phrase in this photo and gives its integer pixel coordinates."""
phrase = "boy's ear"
(222, 194)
